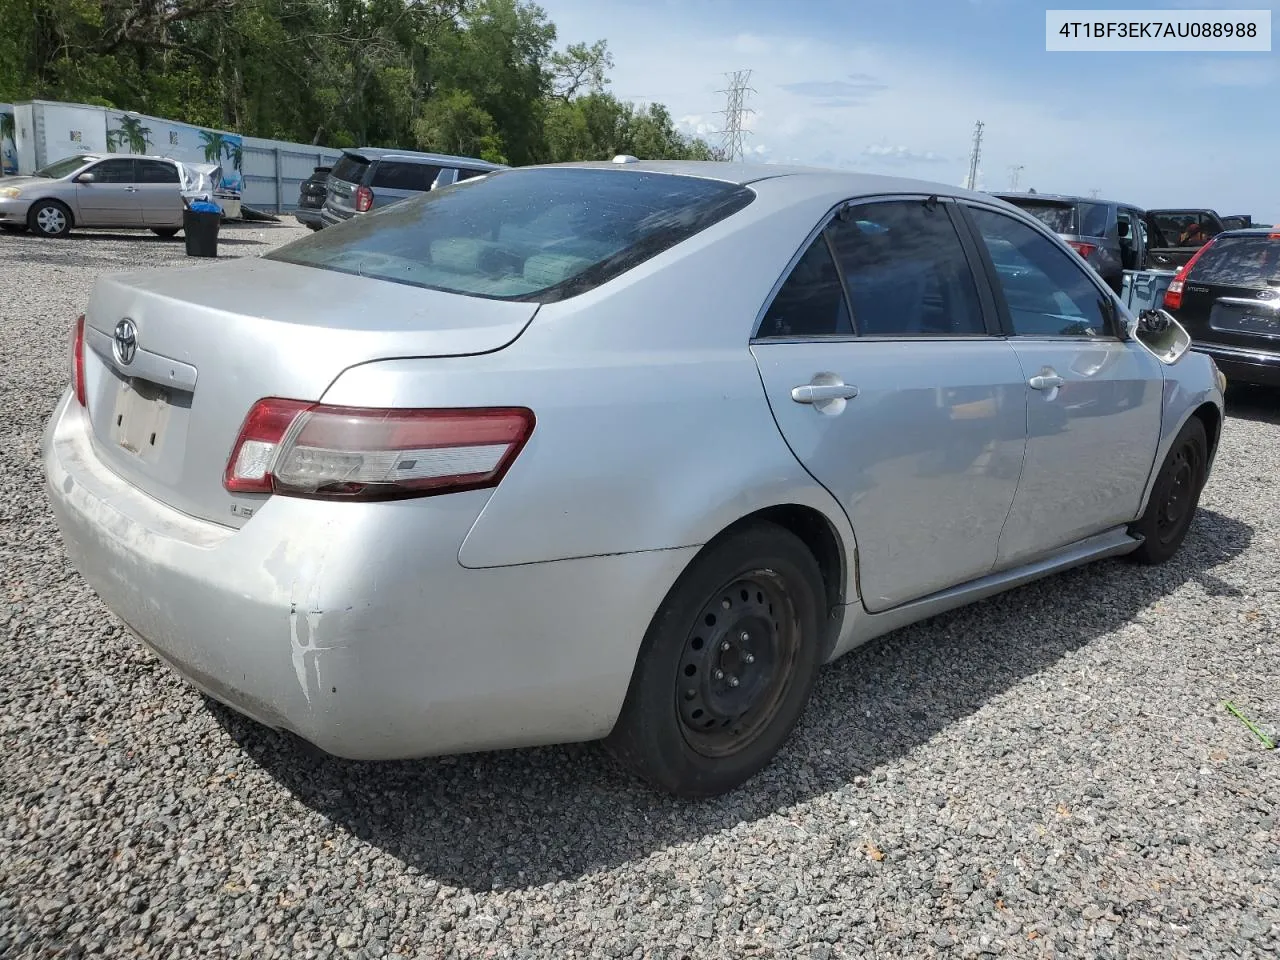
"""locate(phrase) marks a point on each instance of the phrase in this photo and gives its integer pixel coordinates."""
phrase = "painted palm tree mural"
(131, 135)
(218, 146)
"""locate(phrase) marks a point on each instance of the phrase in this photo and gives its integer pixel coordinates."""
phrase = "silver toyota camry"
(609, 451)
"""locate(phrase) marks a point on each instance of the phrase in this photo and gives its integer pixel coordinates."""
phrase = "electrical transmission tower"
(1015, 174)
(974, 157)
(735, 112)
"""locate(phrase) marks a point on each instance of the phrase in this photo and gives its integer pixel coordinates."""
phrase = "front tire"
(49, 218)
(727, 665)
(1175, 496)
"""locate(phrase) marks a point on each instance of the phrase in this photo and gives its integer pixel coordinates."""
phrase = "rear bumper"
(1244, 366)
(308, 216)
(354, 625)
(329, 218)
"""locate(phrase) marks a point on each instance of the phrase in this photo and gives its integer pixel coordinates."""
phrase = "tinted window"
(113, 171)
(906, 271)
(1058, 217)
(811, 303)
(539, 235)
(465, 174)
(350, 168)
(396, 175)
(1048, 292)
(1186, 228)
(154, 171)
(1094, 219)
(1239, 262)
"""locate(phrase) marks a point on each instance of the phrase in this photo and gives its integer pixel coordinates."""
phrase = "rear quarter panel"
(653, 431)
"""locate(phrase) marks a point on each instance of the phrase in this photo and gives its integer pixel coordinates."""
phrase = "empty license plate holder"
(140, 418)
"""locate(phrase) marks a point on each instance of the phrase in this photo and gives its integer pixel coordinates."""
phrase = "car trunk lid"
(204, 344)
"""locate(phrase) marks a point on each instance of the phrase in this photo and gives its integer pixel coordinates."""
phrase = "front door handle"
(822, 392)
(131, 189)
(1045, 381)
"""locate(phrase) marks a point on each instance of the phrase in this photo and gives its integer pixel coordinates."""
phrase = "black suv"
(311, 198)
(1228, 298)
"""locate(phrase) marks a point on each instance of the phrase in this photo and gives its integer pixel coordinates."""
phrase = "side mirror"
(1164, 336)
(86, 178)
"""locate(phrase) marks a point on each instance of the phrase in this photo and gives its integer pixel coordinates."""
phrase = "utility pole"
(1015, 174)
(974, 157)
(1093, 194)
(735, 112)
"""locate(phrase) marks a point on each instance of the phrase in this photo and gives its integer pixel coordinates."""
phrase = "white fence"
(273, 171)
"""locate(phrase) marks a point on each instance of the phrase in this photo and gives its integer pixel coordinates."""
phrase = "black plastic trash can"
(201, 229)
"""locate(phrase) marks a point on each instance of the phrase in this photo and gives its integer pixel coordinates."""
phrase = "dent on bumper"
(354, 625)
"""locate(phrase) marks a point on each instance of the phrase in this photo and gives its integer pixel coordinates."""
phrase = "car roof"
(1060, 198)
(414, 156)
(807, 180)
(1272, 232)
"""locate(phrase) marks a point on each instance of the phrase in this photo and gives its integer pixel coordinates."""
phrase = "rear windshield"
(350, 168)
(1239, 262)
(540, 234)
(1060, 218)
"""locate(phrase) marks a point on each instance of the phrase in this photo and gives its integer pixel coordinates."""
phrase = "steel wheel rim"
(51, 220)
(1179, 495)
(736, 664)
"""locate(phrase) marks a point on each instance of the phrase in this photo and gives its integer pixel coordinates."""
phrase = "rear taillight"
(364, 199)
(1084, 249)
(301, 449)
(77, 360)
(1173, 293)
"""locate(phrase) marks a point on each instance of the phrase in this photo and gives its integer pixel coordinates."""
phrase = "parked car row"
(616, 451)
(92, 190)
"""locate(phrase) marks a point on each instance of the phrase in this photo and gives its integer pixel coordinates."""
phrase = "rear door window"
(1094, 219)
(811, 303)
(399, 175)
(1239, 262)
(350, 167)
(906, 271)
(156, 171)
(540, 235)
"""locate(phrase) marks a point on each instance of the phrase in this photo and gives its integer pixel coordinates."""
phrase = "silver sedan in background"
(618, 451)
(91, 190)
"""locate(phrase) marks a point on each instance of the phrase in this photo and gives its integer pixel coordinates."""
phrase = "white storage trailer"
(268, 173)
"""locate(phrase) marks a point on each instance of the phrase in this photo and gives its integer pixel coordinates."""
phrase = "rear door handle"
(822, 392)
(1045, 381)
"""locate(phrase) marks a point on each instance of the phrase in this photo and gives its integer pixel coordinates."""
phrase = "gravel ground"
(1049, 773)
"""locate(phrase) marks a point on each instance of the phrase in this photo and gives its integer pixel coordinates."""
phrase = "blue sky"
(895, 87)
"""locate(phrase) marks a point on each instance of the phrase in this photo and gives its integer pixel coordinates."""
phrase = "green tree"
(452, 123)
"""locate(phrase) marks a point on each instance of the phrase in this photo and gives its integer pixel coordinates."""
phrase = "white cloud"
(830, 100)
(901, 154)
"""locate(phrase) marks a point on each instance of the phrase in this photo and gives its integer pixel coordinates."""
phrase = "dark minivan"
(370, 177)
(1111, 237)
(1228, 298)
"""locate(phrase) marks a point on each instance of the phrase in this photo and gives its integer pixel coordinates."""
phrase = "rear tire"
(49, 218)
(1175, 496)
(168, 233)
(726, 666)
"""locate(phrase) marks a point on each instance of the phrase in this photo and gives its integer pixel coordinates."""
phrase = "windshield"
(538, 234)
(56, 171)
(1058, 217)
(1240, 262)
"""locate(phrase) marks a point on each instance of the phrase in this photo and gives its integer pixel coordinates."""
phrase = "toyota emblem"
(125, 343)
